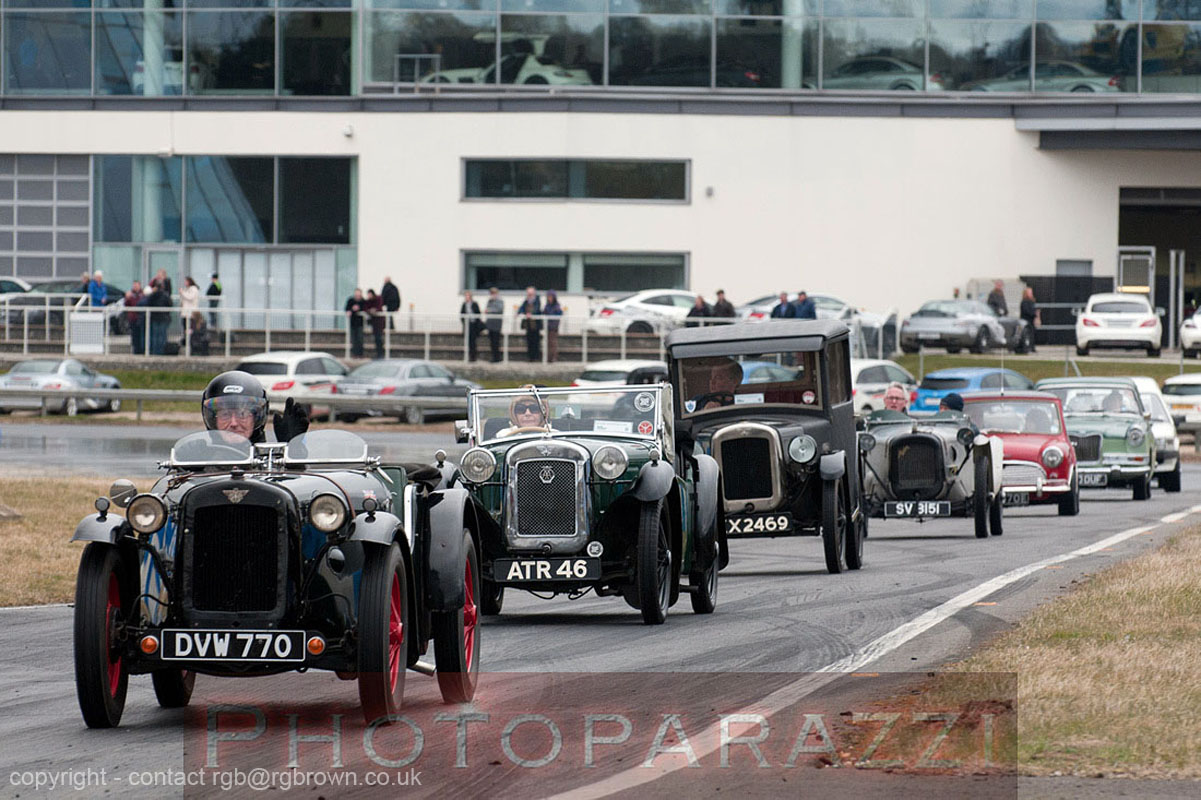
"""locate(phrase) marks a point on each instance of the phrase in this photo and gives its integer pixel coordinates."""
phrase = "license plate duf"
(1094, 479)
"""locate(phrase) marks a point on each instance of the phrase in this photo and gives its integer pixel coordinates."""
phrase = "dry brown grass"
(1108, 679)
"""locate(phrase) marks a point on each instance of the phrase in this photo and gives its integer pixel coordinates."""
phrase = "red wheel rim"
(395, 634)
(470, 615)
(111, 610)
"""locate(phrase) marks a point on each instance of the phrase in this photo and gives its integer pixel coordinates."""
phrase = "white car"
(619, 372)
(827, 306)
(1167, 443)
(871, 376)
(285, 373)
(881, 73)
(515, 68)
(648, 311)
(1118, 320)
(1190, 336)
(1183, 393)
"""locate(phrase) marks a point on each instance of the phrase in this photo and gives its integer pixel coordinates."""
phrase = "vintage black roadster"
(251, 560)
(772, 404)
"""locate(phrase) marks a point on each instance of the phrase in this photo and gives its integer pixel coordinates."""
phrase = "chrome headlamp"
(867, 442)
(1052, 457)
(477, 465)
(146, 513)
(327, 512)
(610, 462)
(965, 436)
(802, 449)
(1135, 437)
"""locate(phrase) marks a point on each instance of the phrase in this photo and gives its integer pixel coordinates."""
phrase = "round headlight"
(327, 512)
(1052, 457)
(610, 462)
(802, 449)
(867, 442)
(965, 436)
(146, 513)
(477, 465)
(1135, 437)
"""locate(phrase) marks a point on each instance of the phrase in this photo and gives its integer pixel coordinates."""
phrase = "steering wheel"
(529, 429)
(721, 398)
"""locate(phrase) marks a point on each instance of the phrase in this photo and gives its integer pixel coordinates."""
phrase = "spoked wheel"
(704, 599)
(101, 609)
(383, 628)
(456, 637)
(834, 526)
(980, 498)
(858, 533)
(173, 687)
(654, 565)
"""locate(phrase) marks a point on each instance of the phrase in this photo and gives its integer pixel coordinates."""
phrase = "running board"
(424, 667)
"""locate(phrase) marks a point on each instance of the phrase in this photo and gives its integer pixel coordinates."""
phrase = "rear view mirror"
(462, 431)
(122, 492)
(1147, 416)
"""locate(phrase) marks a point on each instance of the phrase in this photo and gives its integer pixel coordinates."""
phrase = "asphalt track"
(928, 594)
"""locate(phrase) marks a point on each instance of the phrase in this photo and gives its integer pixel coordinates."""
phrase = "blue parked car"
(942, 382)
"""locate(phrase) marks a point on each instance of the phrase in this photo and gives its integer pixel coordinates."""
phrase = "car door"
(332, 370)
(869, 388)
(1014, 380)
(658, 309)
(993, 380)
(310, 375)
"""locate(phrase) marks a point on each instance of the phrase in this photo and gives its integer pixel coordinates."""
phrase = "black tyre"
(1153, 352)
(640, 327)
(855, 542)
(908, 348)
(1069, 504)
(1025, 343)
(492, 598)
(704, 599)
(654, 564)
(173, 687)
(996, 510)
(535, 79)
(1170, 481)
(456, 635)
(952, 349)
(102, 606)
(1142, 489)
(980, 497)
(1081, 351)
(414, 415)
(983, 341)
(834, 526)
(383, 632)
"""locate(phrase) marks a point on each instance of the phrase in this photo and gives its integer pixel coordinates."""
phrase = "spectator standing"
(96, 290)
(531, 309)
(700, 310)
(804, 306)
(85, 280)
(552, 309)
(157, 301)
(375, 311)
(783, 309)
(723, 307)
(198, 336)
(495, 310)
(189, 298)
(213, 293)
(355, 308)
(996, 299)
(160, 278)
(391, 297)
(1028, 310)
(469, 315)
(136, 319)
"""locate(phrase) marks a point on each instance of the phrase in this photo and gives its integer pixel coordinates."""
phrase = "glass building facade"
(348, 47)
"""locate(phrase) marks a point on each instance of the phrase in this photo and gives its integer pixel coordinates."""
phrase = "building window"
(314, 200)
(579, 273)
(576, 179)
(44, 216)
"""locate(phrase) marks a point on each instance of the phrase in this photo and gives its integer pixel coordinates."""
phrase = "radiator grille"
(546, 497)
(1021, 474)
(1088, 448)
(235, 559)
(746, 468)
(916, 470)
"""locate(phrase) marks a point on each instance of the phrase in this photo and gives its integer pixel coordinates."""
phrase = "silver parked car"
(1049, 76)
(956, 324)
(66, 374)
(404, 377)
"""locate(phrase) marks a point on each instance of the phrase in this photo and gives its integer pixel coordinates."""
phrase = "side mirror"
(462, 431)
(122, 492)
(1076, 312)
(1147, 416)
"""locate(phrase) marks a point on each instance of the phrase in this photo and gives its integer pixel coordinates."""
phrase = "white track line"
(34, 608)
(709, 740)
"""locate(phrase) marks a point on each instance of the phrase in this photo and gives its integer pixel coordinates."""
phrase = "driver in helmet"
(236, 402)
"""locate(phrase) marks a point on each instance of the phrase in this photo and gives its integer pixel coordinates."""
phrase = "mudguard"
(444, 550)
(93, 529)
(994, 448)
(706, 495)
(448, 471)
(833, 466)
(654, 481)
(381, 530)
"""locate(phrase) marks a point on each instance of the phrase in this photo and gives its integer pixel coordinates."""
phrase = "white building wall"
(883, 211)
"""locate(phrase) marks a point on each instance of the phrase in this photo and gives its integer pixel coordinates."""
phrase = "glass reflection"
(1172, 9)
(873, 8)
(315, 55)
(980, 9)
(410, 44)
(48, 53)
(137, 198)
(552, 5)
(1088, 9)
(874, 55)
(980, 56)
(234, 49)
(766, 52)
(314, 200)
(142, 54)
(1172, 58)
(552, 49)
(659, 51)
(659, 6)
(1085, 57)
(230, 199)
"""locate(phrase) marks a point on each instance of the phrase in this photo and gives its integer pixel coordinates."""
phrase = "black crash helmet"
(232, 392)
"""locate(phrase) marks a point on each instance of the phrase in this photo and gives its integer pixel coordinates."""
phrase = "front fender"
(993, 448)
(708, 476)
(654, 481)
(380, 530)
(833, 466)
(94, 529)
(448, 516)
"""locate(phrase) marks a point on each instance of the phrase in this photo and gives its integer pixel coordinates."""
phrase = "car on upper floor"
(881, 73)
(515, 68)
(1119, 320)
(621, 372)
(295, 373)
(403, 377)
(1167, 442)
(65, 374)
(870, 378)
(648, 311)
(1049, 76)
(938, 384)
(956, 324)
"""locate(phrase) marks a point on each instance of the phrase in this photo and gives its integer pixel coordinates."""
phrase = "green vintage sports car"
(1110, 429)
(581, 489)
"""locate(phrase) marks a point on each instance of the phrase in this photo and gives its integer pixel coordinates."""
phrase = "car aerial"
(956, 324)
(1119, 320)
(65, 374)
(1167, 442)
(1190, 337)
(933, 467)
(296, 373)
(581, 489)
(870, 378)
(938, 384)
(1040, 462)
(1110, 430)
(786, 445)
(1183, 396)
(648, 311)
(403, 377)
(880, 73)
(1049, 76)
(249, 560)
(620, 372)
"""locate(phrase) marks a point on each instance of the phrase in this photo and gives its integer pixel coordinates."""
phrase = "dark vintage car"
(581, 489)
(786, 445)
(249, 560)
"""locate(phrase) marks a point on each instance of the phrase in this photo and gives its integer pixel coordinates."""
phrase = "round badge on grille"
(595, 549)
(546, 474)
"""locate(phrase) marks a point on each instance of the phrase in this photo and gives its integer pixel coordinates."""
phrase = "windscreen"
(1014, 416)
(943, 384)
(1182, 389)
(709, 383)
(35, 368)
(603, 375)
(211, 447)
(1097, 399)
(325, 446)
(1121, 307)
(1153, 404)
(263, 368)
(613, 412)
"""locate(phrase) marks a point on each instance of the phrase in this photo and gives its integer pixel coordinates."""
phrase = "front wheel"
(855, 541)
(1142, 489)
(654, 565)
(1069, 504)
(983, 341)
(114, 405)
(383, 632)
(995, 511)
(834, 526)
(704, 598)
(456, 635)
(980, 498)
(1170, 481)
(173, 687)
(101, 610)
(414, 415)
